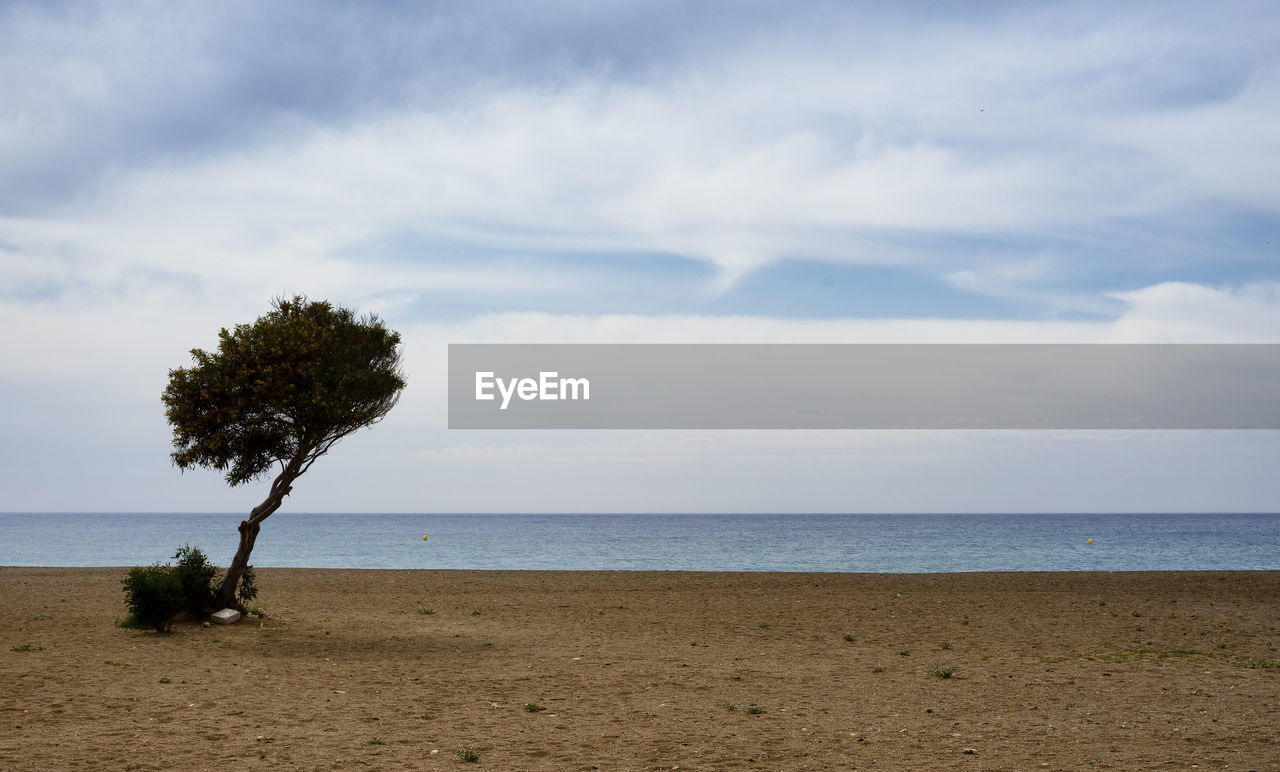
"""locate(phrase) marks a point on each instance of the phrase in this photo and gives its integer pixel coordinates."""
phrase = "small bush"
(944, 672)
(195, 579)
(756, 710)
(534, 707)
(468, 754)
(153, 596)
(156, 594)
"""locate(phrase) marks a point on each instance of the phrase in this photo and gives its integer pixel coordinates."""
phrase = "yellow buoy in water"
(1090, 541)
(424, 537)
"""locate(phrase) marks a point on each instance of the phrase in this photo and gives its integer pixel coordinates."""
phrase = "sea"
(875, 543)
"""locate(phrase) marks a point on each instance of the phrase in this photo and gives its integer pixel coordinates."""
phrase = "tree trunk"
(226, 597)
(281, 487)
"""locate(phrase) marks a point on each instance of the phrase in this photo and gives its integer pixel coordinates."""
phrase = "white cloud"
(1178, 312)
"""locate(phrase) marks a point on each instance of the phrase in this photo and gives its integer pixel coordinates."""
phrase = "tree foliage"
(291, 384)
(280, 391)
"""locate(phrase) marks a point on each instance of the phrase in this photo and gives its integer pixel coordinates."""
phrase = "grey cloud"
(97, 88)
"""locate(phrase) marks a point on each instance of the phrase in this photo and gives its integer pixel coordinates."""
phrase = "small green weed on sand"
(533, 707)
(166, 680)
(377, 741)
(848, 637)
(945, 646)
(944, 672)
(26, 647)
(426, 610)
(756, 710)
(468, 754)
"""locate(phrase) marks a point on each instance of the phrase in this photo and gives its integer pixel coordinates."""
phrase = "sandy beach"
(652, 670)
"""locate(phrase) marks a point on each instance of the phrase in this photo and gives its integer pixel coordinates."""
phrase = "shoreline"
(694, 571)
(651, 670)
(818, 543)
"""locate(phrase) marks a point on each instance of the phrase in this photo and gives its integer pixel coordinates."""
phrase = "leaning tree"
(277, 394)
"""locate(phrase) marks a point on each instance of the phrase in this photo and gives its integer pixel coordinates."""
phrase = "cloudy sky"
(631, 172)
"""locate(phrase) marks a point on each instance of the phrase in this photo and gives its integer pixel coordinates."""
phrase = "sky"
(631, 172)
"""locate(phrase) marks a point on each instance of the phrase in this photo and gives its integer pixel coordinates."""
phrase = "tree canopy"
(281, 391)
(296, 381)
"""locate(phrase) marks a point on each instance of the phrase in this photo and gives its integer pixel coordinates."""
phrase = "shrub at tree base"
(195, 578)
(155, 595)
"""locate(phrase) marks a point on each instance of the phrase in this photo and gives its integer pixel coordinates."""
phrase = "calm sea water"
(701, 542)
